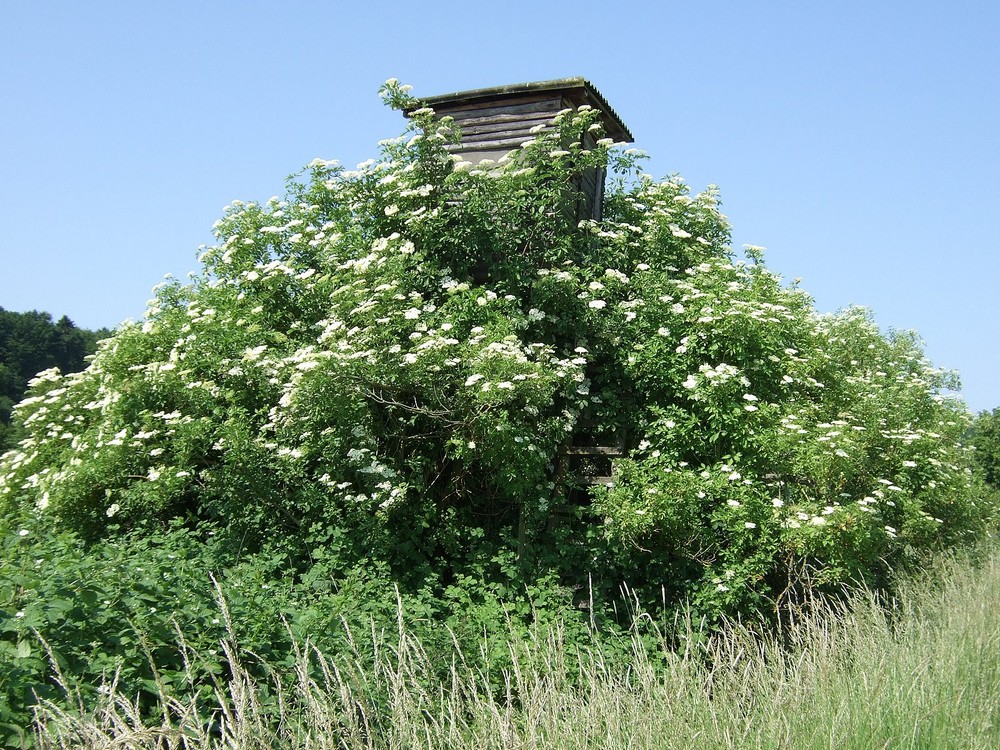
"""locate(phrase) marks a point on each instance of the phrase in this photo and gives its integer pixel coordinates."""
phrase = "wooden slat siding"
(592, 450)
(510, 132)
(506, 134)
(592, 196)
(598, 208)
(489, 127)
(591, 481)
(520, 127)
(475, 121)
(507, 144)
(482, 109)
(501, 132)
(495, 121)
(568, 91)
(593, 183)
(523, 104)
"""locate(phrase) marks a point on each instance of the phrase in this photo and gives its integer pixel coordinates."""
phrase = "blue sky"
(858, 141)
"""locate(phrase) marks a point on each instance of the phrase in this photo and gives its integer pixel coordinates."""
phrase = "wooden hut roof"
(574, 91)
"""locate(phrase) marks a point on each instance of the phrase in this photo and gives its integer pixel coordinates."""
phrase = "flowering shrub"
(379, 370)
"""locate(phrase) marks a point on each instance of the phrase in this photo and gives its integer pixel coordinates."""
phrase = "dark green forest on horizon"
(29, 343)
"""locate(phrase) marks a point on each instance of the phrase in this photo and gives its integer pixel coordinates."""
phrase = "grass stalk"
(920, 672)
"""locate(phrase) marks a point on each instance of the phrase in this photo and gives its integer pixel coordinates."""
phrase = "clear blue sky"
(858, 141)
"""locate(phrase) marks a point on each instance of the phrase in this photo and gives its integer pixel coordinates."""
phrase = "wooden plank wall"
(502, 127)
(492, 129)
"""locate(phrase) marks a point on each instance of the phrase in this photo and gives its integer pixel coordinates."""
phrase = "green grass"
(921, 673)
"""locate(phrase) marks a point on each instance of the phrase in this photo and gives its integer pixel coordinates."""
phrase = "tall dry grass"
(923, 672)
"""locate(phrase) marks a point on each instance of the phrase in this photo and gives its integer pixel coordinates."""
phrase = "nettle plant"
(385, 362)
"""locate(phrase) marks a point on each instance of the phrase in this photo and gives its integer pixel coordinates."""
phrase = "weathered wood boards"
(494, 121)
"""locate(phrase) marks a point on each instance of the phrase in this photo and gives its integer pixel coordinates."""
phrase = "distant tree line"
(986, 439)
(29, 343)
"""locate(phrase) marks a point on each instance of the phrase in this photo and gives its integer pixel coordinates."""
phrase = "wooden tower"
(494, 121)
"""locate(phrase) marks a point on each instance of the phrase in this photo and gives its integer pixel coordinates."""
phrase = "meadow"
(921, 670)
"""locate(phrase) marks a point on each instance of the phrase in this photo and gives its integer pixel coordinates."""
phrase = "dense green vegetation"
(29, 343)
(920, 671)
(352, 419)
(986, 439)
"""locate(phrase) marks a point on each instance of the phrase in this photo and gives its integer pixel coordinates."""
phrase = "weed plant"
(919, 671)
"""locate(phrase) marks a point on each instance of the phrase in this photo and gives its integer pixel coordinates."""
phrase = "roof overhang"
(575, 91)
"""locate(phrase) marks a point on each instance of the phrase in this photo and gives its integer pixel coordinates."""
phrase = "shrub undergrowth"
(919, 671)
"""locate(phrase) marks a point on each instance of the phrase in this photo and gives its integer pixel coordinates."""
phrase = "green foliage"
(986, 439)
(29, 343)
(93, 613)
(142, 612)
(368, 386)
(923, 673)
